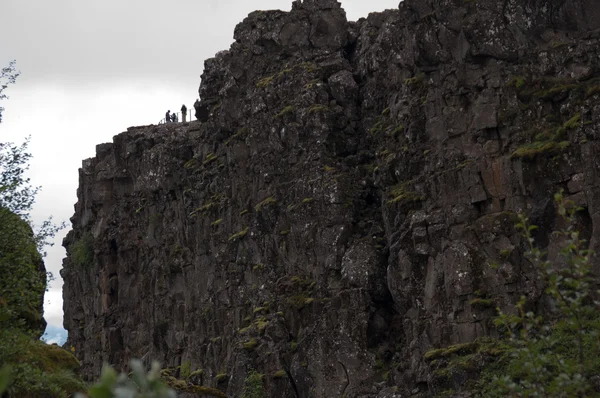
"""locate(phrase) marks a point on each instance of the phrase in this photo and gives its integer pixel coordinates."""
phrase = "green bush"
(185, 370)
(82, 251)
(36, 369)
(139, 385)
(558, 355)
(555, 355)
(253, 385)
(22, 275)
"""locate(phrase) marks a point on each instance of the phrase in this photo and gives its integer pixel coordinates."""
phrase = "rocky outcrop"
(337, 210)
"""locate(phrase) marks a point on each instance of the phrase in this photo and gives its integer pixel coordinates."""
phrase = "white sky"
(90, 69)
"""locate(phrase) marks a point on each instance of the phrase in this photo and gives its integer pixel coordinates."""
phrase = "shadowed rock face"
(338, 209)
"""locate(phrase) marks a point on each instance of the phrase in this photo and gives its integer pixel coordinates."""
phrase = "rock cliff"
(335, 212)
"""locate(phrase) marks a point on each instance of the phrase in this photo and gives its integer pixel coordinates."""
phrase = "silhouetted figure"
(174, 118)
(198, 113)
(168, 116)
(183, 113)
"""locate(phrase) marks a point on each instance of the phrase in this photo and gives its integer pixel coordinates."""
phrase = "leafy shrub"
(556, 356)
(82, 251)
(140, 385)
(185, 370)
(22, 275)
(36, 369)
(552, 356)
(253, 385)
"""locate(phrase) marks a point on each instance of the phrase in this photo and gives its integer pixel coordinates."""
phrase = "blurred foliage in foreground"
(554, 354)
(139, 384)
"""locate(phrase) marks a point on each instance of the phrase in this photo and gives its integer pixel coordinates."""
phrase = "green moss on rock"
(239, 234)
(280, 374)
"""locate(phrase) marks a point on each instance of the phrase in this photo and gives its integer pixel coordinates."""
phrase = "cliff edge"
(334, 213)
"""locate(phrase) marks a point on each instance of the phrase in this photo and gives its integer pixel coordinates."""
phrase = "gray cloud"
(75, 40)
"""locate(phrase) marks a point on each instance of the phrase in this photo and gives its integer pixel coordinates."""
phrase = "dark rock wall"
(340, 206)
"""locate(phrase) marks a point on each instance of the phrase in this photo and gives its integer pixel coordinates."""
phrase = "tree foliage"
(8, 75)
(23, 277)
(30, 368)
(16, 193)
(33, 368)
(549, 353)
(556, 355)
(138, 385)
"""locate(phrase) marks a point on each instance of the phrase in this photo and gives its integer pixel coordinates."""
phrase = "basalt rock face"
(336, 211)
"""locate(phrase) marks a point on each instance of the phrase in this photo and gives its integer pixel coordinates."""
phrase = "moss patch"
(400, 194)
(190, 164)
(547, 142)
(267, 202)
(318, 109)
(531, 151)
(38, 369)
(285, 111)
(265, 82)
(416, 80)
(299, 301)
(517, 82)
(465, 348)
(482, 303)
(280, 374)
(242, 131)
(250, 345)
(211, 157)
(240, 234)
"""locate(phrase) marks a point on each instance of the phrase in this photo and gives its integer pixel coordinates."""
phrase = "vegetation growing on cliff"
(36, 369)
(82, 251)
(557, 355)
(253, 385)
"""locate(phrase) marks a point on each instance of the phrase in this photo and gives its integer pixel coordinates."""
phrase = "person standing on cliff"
(196, 106)
(183, 113)
(168, 116)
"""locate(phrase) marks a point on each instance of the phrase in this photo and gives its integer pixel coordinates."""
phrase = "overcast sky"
(92, 68)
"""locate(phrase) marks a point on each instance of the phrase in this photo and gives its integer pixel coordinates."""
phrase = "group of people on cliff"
(172, 117)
